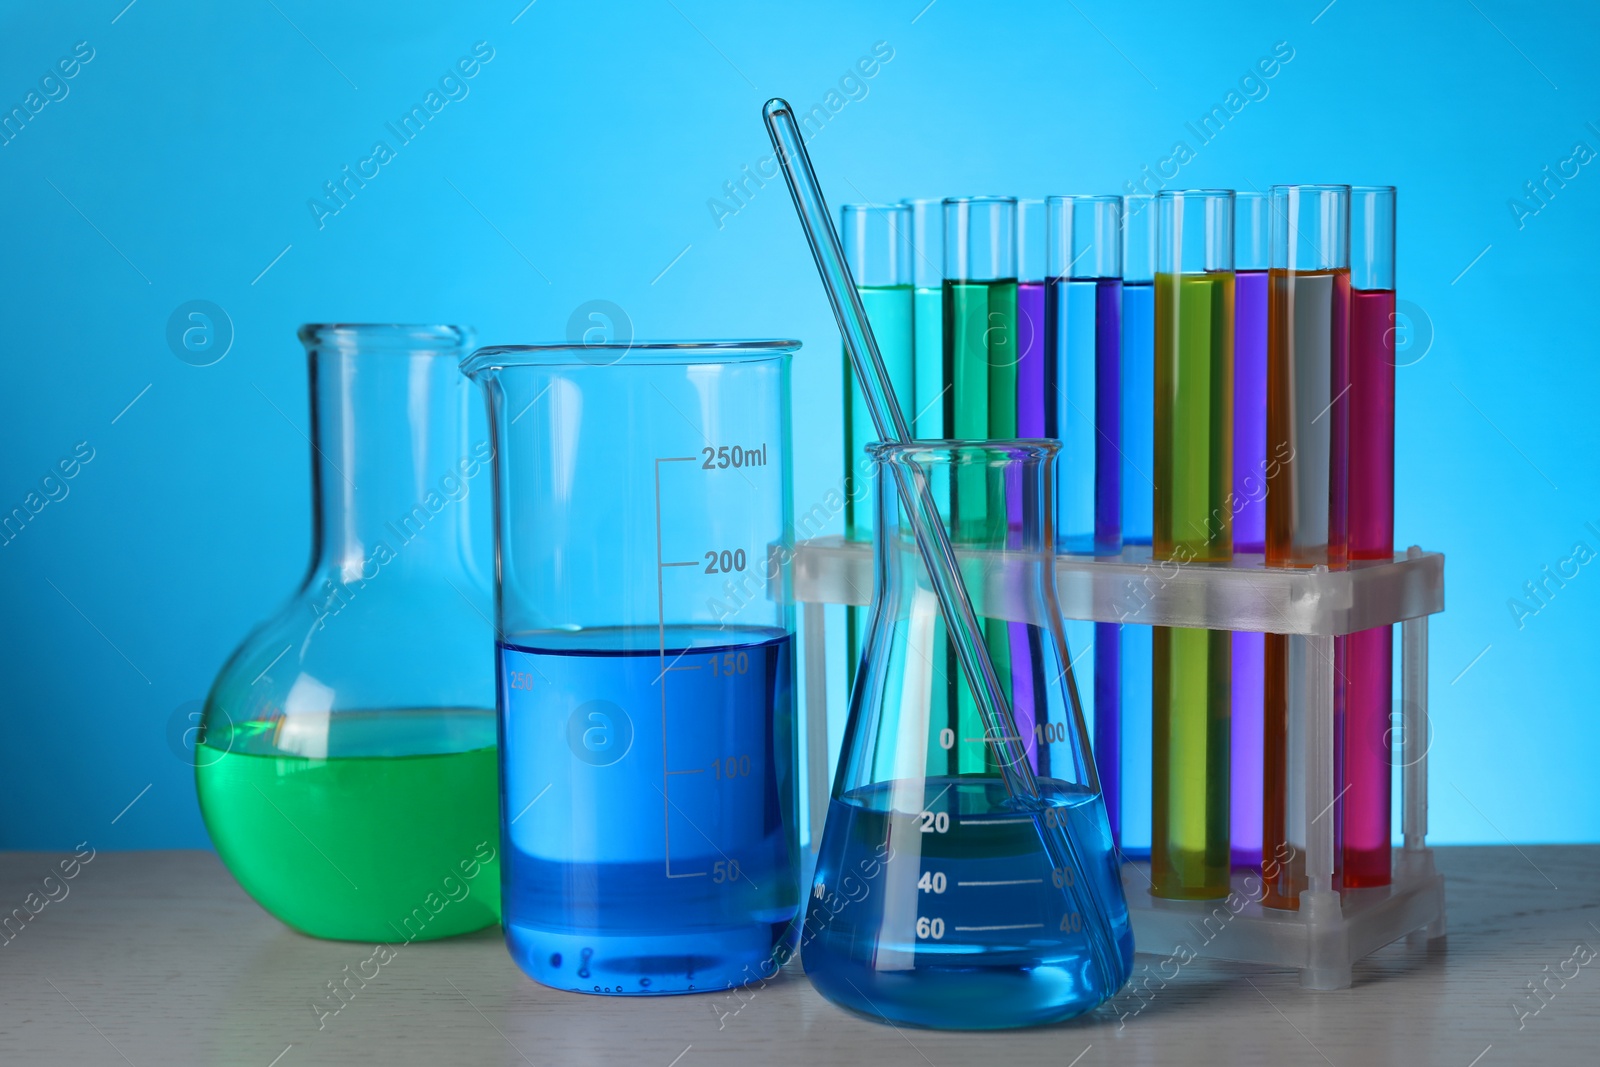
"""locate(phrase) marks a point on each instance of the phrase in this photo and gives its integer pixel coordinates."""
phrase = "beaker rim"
(922, 449)
(375, 335)
(610, 353)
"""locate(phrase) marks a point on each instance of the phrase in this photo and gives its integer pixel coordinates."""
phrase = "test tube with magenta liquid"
(1369, 655)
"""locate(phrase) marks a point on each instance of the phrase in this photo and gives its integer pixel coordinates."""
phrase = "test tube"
(1032, 375)
(877, 248)
(1191, 699)
(1083, 373)
(927, 299)
(980, 316)
(1138, 467)
(1083, 328)
(980, 363)
(1369, 654)
(1252, 253)
(1032, 385)
(1307, 497)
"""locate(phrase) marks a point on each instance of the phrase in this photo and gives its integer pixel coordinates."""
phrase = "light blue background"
(588, 149)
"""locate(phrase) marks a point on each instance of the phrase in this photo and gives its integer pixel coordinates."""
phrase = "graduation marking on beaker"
(714, 561)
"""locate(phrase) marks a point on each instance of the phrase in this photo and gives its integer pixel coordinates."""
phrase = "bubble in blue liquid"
(583, 969)
(645, 982)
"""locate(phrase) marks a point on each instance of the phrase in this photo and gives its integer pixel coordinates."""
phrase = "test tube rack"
(1331, 929)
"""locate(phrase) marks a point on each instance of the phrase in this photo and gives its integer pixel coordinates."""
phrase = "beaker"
(649, 790)
(940, 899)
(346, 764)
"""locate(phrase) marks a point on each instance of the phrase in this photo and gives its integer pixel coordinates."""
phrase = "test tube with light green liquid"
(1192, 669)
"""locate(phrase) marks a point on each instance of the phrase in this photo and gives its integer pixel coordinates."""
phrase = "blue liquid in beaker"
(642, 793)
(964, 925)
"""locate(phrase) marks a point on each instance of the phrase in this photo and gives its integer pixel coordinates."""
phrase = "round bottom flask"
(347, 762)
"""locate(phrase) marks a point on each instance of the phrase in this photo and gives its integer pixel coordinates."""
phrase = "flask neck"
(392, 466)
(995, 495)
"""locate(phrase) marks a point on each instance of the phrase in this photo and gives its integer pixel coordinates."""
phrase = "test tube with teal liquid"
(877, 248)
(1192, 668)
(1083, 374)
(1138, 468)
(980, 365)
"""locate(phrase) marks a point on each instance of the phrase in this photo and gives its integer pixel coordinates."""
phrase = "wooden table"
(159, 957)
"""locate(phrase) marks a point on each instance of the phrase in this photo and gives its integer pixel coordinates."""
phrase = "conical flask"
(347, 761)
(940, 898)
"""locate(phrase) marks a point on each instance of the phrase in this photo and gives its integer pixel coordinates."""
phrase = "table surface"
(159, 957)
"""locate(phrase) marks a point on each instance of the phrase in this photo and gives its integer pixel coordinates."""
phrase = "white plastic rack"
(1331, 930)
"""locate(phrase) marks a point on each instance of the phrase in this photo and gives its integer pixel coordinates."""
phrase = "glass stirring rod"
(932, 540)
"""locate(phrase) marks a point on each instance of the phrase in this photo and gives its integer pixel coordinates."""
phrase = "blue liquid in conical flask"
(935, 904)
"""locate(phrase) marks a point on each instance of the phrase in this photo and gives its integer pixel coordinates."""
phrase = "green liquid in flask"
(360, 826)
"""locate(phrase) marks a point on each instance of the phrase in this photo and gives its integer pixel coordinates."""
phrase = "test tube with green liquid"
(980, 365)
(877, 249)
(1192, 669)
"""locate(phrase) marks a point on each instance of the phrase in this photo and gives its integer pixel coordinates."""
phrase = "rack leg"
(1328, 965)
(1414, 731)
(814, 628)
(1316, 695)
